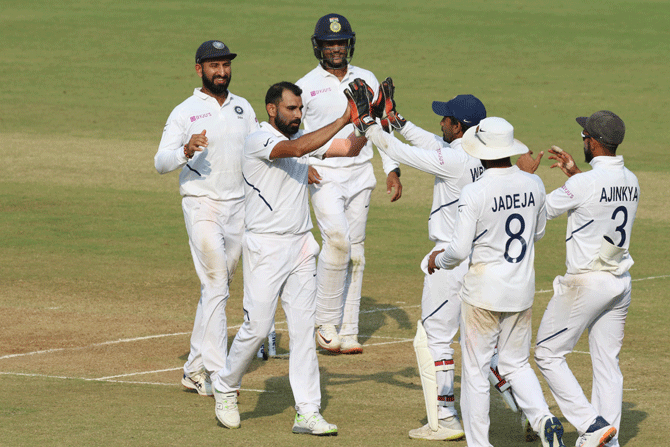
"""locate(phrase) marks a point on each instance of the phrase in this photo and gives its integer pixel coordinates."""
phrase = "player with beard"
(595, 292)
(204, 137)
(280, 253)
(340, 188)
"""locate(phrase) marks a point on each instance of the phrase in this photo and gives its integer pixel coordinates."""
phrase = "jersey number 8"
(515, 237)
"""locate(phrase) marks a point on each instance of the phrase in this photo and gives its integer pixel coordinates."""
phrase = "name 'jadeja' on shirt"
(513, 201)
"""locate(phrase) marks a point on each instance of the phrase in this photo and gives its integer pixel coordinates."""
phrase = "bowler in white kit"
(280, 253)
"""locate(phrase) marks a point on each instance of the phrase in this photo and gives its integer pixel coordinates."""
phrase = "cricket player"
(280, 253)
(499, 219)
(340, 187)
(595, 292)
(204, 137)
(453, 168)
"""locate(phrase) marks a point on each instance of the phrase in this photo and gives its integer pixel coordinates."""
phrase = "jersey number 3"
(515, 237)
(621, 229)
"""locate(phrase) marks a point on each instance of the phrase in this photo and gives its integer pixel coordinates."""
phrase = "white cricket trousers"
(481, 331)
(340, 204)
(440, 313)
(274, 266)
(597, 301)
(215, 231)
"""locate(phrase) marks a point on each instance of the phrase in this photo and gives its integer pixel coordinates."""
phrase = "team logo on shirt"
(335, 25)
(239, 110)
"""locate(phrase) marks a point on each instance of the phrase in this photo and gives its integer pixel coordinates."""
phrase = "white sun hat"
(492, 139)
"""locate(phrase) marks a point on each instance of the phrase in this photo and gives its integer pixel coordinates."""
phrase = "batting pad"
(427, 374)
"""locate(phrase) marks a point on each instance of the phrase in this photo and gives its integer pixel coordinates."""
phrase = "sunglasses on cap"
(584, 137)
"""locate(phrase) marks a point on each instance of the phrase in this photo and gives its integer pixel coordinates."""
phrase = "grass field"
(97, 287)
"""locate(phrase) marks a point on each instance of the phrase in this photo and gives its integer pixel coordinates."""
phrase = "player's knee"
(543, 358)
(336, 249)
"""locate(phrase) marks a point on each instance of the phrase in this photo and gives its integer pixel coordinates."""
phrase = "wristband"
(397, 171)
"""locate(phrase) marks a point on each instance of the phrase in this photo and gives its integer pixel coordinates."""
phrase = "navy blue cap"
(213, 49)
(465, 108)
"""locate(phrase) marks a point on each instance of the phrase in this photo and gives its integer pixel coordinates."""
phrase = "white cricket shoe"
(226, 409)
(597, 435)
(326, 336)
(199, 382)
(448, 429)
(349, 345)
(313, 424)
(552, 432)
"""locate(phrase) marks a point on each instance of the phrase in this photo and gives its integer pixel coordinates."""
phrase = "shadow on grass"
(374, 318)
(630, 422)
(279, 396)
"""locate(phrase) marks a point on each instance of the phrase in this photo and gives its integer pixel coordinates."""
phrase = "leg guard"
(427, 374)
(445, 400)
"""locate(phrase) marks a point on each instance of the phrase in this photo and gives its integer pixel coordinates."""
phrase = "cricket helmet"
(333, 27)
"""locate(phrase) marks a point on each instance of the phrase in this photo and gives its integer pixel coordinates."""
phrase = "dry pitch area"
(97, 306)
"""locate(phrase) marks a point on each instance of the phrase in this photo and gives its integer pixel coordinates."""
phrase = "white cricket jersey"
(452, 167)
(600, 203)
(499, 219)
(324, 102)
(215, 172)
(276, 193)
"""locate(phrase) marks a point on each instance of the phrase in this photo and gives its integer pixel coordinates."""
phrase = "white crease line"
(139, 373)
(115, 381)
(404, 340)
(149, 337)
(651, 277)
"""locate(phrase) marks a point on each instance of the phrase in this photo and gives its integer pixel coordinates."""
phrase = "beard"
(217, 89)
(285, 127)
(329, 60)
(588, 155)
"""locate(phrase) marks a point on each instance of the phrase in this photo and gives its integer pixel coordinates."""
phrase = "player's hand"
(527, 163)
(431, 261)
(564, 161)
(313, 176)
(393, 181)
(197, 143)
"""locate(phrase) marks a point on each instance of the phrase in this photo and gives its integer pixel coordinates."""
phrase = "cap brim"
(229, 56)
(442, 109)
(581, 120)
(474, 147)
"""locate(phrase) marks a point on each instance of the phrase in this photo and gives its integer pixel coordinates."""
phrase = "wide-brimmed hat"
(492, 139)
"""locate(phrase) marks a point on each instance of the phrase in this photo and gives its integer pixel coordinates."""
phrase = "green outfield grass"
(93, 243)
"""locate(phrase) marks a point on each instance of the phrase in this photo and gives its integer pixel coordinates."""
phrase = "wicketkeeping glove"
(385, 108)
(384, 102)
(359, 95)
